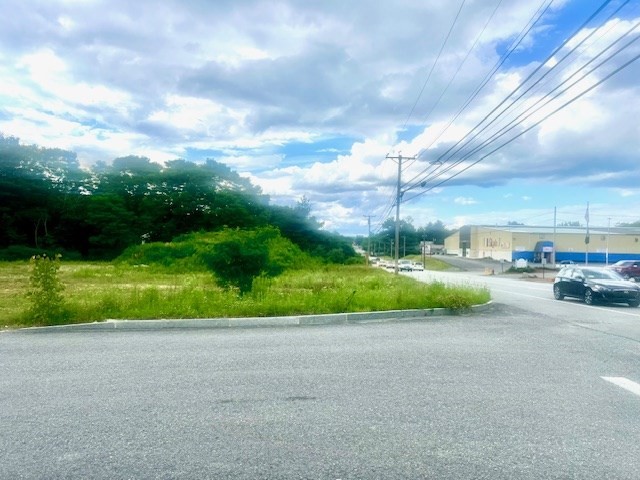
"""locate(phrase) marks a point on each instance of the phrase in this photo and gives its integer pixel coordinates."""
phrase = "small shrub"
(45, 291)
(236, 263)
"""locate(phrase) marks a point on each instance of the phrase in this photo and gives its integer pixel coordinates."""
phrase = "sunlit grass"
(99, 291)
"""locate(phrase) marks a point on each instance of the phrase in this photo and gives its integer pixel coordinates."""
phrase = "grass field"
(100, 291)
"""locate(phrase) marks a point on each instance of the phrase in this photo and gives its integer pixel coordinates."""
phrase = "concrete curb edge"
(260, 322)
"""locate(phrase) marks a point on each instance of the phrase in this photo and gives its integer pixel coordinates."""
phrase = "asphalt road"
(528, 389)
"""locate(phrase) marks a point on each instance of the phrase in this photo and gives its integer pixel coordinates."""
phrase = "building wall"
(452, 244)
(493, 243)
(504, 243)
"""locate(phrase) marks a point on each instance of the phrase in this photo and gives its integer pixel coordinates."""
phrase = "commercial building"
(546, 244)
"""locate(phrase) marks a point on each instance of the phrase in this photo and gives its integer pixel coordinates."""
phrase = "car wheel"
(588, 297)
(635, 303)
(556, 293)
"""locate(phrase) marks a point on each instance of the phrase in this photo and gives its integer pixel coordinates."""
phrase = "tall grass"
(99, 291)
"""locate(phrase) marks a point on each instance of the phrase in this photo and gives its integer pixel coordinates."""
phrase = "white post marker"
(625, 383)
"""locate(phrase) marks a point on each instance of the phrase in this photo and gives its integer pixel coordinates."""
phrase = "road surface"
(531, 388)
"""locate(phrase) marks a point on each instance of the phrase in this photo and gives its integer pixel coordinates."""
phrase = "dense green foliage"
(48, 203)
(235, 256)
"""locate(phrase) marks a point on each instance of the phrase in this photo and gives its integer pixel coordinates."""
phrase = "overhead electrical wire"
(444, 43)
(433, 66)
(524, 92)
(453, 77)
(420, 178)
(520, 119)
(464, 60)
(580, 95)
(549, 57)
(530, 24)
(536, 70)
(451, 166)
(440, 167)
(538, 15)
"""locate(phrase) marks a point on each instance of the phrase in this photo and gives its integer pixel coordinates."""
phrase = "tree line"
(381, 243)
(48, 202)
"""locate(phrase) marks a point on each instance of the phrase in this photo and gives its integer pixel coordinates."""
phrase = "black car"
(593, 284)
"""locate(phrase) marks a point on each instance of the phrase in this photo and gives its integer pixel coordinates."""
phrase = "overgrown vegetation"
(234, 256)
(120, 290)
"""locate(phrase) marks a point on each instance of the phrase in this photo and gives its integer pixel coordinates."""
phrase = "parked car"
(594, 284)
(564, 263)
(627, 268)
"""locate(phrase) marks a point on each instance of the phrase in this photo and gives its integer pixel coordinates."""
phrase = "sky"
(497, 110)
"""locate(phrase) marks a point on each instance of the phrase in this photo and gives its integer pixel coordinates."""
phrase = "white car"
(405, 265)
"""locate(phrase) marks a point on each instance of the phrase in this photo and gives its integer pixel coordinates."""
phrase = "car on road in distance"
(417, 267)
(564, 263)
(627, 268)
(405, 265)
(595, 284)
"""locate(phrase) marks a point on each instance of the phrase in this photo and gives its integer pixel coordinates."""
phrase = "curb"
(260, 322)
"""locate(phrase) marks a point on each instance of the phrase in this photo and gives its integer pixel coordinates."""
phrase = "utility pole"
(368, 217)
(553, 253)
(586, 238)
(399, 193)
(608, 234)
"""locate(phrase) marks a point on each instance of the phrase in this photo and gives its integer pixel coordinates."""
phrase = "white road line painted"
(625, 383)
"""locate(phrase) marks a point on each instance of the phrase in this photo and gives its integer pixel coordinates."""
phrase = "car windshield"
(601, 274)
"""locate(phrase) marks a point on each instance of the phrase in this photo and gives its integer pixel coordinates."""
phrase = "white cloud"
(465, 201)
(252, 84)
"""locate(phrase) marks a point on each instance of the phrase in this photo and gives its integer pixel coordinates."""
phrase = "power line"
(455, 20)
(617, 70)
(536, 107)
(549, 57)
(525, 31)
(473, 46)
(521, 95)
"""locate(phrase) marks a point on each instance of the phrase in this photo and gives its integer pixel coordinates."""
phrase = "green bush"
(235, 256)
(236, 263)
(47, 304)
(244, 255)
